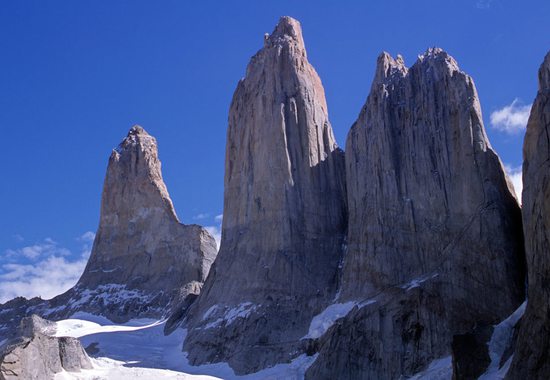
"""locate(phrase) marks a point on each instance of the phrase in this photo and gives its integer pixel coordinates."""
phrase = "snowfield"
(139, 349)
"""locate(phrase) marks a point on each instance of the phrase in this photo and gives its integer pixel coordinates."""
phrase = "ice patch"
(439, 369)
(502, 335)
(229, 316)
(77, 328)
(323, 321)
(146, 353)
(415, 283)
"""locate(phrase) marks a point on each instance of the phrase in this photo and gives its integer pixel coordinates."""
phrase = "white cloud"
(201, 216)
(218, 218)
(87, 238)
(50, 272)
(46, 278)
(515, 175)
(512, 118)
(216, 232)
(483, 4)
(33, 252)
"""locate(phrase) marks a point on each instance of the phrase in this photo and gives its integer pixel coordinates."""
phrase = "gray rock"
(532, 355)
(142, 253)
(144, 262)
(430, 207)
(284, 214)
(34, 353)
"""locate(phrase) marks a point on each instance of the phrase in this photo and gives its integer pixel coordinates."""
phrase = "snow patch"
(500, 340)
(77, 328)
(229, 316)
(439, 369)
(415, 283)
(139, 349)
(322, 322)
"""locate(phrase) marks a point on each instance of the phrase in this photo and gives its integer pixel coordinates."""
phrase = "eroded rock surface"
(532, 355)
(435, 234)
(34, 353)
(284, 214)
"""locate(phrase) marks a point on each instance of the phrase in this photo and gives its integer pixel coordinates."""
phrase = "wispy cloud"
(33, 252)
(47, 271)
(512, 118)
(515, 175)
(483, 4)
(201, 216)
(216, 230)
(87, 239)
(46, 278)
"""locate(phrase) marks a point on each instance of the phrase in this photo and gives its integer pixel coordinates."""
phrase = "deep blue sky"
(76, 75)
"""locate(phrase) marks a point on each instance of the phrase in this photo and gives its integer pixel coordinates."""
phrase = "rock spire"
(532, 358)
(435, 236)
(284, 213)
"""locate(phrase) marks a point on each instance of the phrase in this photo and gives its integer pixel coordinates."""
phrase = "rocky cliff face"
(142, 254)
(143, 260)
(435, 244)
(532, 355)
(284, 213)
(34, 353)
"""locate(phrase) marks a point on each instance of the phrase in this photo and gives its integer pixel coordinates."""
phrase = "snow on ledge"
(323, 321)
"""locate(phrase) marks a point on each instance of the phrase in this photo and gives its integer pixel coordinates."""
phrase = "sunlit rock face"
(144, 262)
(435, 242)
(284, 213)
(532, 355)
(141, 248)
(34, 352)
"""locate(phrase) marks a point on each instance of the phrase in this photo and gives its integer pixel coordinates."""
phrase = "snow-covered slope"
(139, 349)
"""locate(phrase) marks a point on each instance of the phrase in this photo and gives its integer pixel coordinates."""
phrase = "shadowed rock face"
(532, 355)
(143, 260)
(284, 212)
(435, 234)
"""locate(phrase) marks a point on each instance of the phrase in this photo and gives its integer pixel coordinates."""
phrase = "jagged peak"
(388, 67)
(287, 30)
(439, 58)
(136, 135)
(544, 73)
(137, 130)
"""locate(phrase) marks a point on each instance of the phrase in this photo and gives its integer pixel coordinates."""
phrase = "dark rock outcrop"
(471, 353)
(143, 262)
(284, 214)
(532, 355)
(435, 234)
(34, 353)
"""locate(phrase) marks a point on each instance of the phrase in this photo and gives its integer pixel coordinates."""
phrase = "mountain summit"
(284, 212)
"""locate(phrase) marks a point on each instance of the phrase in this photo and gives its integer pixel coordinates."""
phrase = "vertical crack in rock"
(284, 214)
